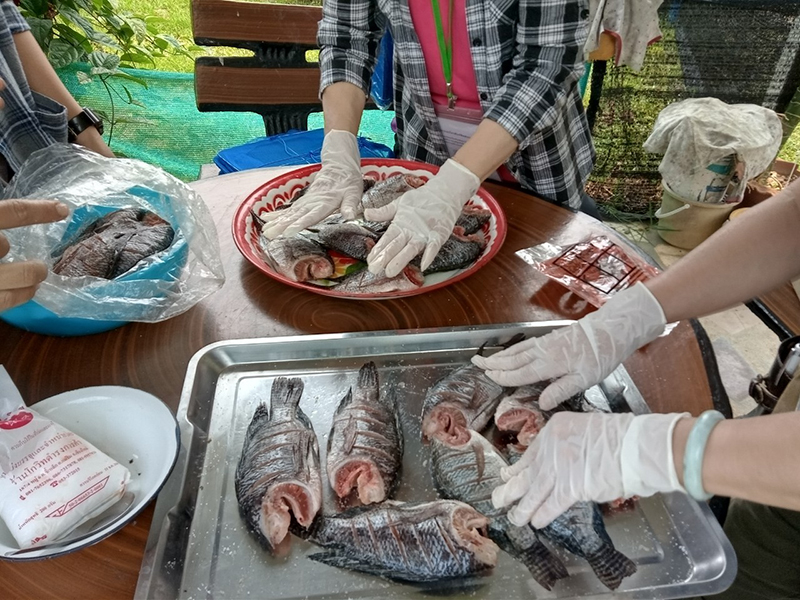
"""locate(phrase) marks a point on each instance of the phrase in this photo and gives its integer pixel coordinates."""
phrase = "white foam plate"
(133, 427)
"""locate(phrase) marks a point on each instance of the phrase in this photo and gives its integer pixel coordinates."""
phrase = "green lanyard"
(445, 49)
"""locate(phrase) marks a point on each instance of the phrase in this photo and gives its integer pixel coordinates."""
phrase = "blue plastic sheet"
(382, 90)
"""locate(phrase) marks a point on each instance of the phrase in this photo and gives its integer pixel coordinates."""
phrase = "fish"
(364, 282)
(278, 476)
(472, 218)
(365, 445)
(114, 244)
(297, 257)
(407, 542)
(469, 473)
(463, 400)
(459, 251)
(351, 238)
(519, 413)
(390, 189)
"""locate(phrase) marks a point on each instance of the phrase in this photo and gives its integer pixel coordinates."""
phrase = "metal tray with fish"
(199, 546)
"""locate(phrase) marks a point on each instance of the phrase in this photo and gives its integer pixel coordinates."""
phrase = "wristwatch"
(83, 120)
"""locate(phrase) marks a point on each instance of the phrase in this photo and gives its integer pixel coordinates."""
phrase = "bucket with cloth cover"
(711, 150)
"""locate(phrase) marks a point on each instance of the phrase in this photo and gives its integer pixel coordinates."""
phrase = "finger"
(4, 246)
(431, 250)
(351, 204)
(561, 389)
(11, 298)
(526, 374)
(511, 491)
(525, 461)
(550, 510)
(17, 213)
(518, 348)
(283, 222)
(274, 215)
(508, 363)
(386, 249)
(307, 220)
(402, 258)
(384, 213)
(536, 495)
(19, 275)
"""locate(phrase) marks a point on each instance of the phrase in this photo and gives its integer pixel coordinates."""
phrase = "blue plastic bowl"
(34, 317)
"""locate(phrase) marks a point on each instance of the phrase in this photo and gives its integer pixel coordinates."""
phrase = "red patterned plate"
(281, 190)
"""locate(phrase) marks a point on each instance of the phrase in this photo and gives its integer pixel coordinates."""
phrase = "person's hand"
(338, 187)
(422, 219)
(589, 457)
(20, 280)
(584, 353)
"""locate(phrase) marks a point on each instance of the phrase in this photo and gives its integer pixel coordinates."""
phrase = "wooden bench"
(277, 82)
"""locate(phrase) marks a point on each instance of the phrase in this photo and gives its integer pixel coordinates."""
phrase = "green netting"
(169, 131)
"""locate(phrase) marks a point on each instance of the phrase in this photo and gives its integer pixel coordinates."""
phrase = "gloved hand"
(584, 353)
(338, 187)
(422, 219)
(589, 457)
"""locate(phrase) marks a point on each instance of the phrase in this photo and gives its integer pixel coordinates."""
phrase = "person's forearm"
(43, 79)
(755, 459)
(747, 257)
(487, 149)
(342, 105)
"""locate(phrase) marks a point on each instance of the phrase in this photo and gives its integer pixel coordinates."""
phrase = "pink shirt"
(464, 85)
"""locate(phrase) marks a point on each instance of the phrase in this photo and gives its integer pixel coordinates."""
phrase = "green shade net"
(168, 131)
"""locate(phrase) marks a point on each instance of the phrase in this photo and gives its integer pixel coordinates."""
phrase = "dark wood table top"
(675, 373)
(780, 310)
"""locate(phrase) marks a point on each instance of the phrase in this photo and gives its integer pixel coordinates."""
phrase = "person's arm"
(342, 107)
(753, 459)
(488, 148)
(746, 258)
(43, 79)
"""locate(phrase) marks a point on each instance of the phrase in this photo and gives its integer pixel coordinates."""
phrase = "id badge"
(458, 125)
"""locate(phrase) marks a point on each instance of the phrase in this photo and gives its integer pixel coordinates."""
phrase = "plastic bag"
(156, 288)
(595, 269)
(382, 84)
(701, 132)
(52, 480)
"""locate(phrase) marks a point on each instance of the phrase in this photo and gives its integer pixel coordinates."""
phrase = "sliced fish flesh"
(414, 542)
(278, 476)
(390, 189)
(519, 413)
(298, 258)
(469, 473)
(365, 282)
(365, 445)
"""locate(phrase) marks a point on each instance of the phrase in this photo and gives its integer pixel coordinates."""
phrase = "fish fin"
(286, 393)
(303, 418)
(480, 460)
(350, 435)
(335, 559)
(345, 402)
(545, 567)
(368, 376)
(258, 222)
(611, 566)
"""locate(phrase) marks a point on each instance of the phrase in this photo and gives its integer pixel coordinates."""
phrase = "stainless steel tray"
(198, 546)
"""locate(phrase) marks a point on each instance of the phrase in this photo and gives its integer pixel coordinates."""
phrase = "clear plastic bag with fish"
(595, 269)
(139, 245)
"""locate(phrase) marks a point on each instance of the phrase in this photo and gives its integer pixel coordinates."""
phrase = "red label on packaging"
(17, 420)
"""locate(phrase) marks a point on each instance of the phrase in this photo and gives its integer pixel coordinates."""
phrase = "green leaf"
(103, 39)
(62, 53)
(136, 58)
(34, 7)
(83, 77)
(131, 99)
(137, 25)
(104, 61)
(128, 77)
(76, 19)
(41, 30)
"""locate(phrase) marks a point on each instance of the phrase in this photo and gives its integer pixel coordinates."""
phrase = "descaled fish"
(469, 473)
(365, 445)
(298, 258)
(390, 189)
(112, 245)
(365, 282)
(413, 542)
(278, 476)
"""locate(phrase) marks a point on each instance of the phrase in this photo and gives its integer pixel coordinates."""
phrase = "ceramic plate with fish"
(279, 192)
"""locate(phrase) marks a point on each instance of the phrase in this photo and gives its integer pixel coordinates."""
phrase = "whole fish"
(278, 476)
(463, 400)
(364, 282)
(390, 189)
(413, 542)
(365, 445)
(472, 218)
(519, 413)
(469, 473)
(297, 257)
(112, 245)
(459, 251)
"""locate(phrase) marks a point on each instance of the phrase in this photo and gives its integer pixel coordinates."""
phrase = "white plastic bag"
(695, 133)
(158, 287)
(51, 480)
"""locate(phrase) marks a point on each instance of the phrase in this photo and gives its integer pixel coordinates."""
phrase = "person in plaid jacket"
(510, 66)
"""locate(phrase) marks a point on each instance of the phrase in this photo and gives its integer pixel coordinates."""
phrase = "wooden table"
(673, 373)
(780, 310)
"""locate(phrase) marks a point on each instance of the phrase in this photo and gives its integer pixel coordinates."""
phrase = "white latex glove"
(589, 457)
(422, 219)
(584, 353)
(338, 187)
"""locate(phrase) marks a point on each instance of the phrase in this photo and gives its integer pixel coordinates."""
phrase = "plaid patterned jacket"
(528, 59)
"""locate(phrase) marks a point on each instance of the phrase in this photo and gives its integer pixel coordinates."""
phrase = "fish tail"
(611, 566)
(286, 392)
(368, 376)
(545, 567)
